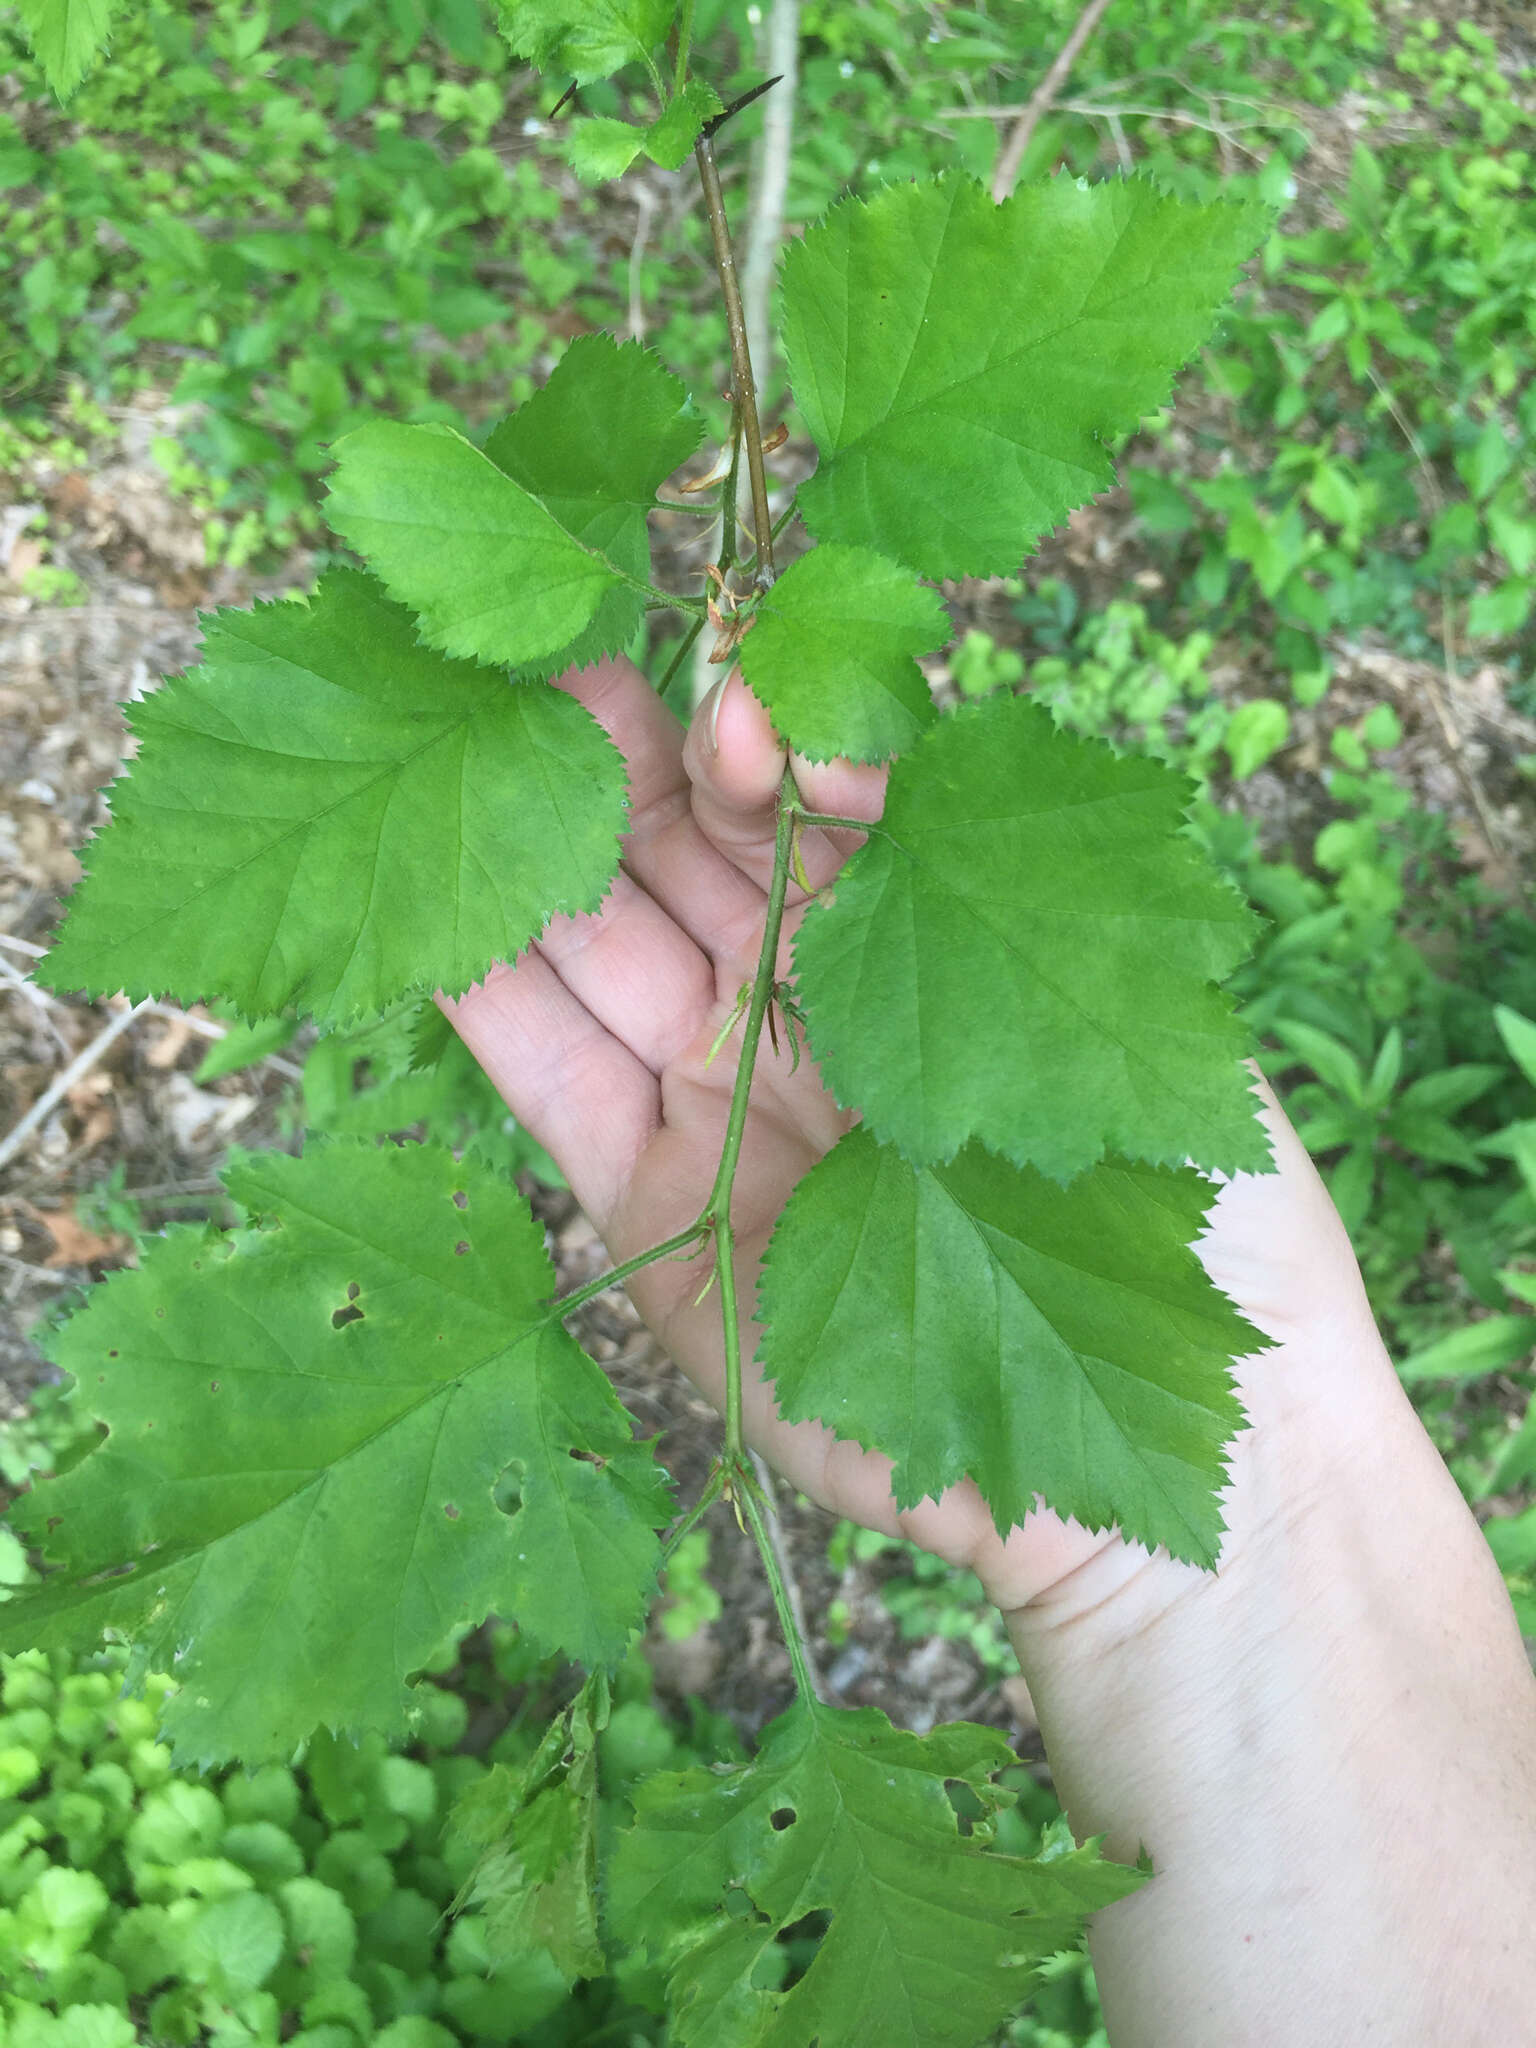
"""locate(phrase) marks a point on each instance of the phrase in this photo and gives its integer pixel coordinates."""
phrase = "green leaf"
(322, 1935)
(1451, 1089)
(78, 2026)
(1352, 1184)
(962, 365)
(1485, 462)
(58, 1915)
(236, 1943)
(598, 148)
(671, 136)
(536, 1833)
(336, 1435)
(1431, 1137)
(1499, 614)
(65, 36)
(588, 38)
(1519, 1035)
(1024, 952)
(592, 444)
(324, 815)
(831, 654)
(1495, 1344)
(933, 1937)
(491, 572)
(1258, 728)
(1512, 1539)
(244, 1044)
(415, 2030)
(1515, 1464)
(1367, 187)
(535, 545)
(1513, 533)
(1329, 1059)
(1381, 728)
(1386, 1069)
(976, 1320)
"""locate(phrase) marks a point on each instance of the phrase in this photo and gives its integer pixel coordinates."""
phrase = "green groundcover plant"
(355, 1423)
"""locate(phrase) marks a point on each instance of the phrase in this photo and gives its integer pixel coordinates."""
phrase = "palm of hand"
(598, 1039)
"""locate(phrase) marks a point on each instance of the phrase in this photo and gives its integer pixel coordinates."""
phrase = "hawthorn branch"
(717, 1211)
(743, 387)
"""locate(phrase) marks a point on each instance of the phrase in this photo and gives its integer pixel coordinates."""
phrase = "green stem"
(717, 1210)
(685, 1240)
(684, 648)
(684, 39)
(785, 517)
(805, 1684)
(726, 559)
(714, 1486)
(826, 821)
(743, 387)
(779, 525)
(668, 600)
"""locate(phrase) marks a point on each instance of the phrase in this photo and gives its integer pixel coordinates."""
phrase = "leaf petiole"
(714, 1487)
(689, 1240)
(718, 1209)
(684, 44)
(827, 821)
(794, 1642)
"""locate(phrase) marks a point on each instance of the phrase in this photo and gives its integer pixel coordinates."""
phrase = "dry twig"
(61, 1084)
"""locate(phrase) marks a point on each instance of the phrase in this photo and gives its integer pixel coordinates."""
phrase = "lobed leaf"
(66, 36)
(335, 1435)
(326, 815)
(589, 38)
(1025, 951)
(535, 1830)
(593, 444)
(832, 654)
(976, 1320)
(933, 1936)
(534, 547)
(598, 148)
(670, 138)
(961, 364)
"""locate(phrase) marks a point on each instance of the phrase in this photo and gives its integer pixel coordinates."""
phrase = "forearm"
(1328, 1748)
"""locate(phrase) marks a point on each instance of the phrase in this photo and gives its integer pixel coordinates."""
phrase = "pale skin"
(1329, 1745)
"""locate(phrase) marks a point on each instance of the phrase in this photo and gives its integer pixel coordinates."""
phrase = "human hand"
(1232, 1722)
(598, 1039)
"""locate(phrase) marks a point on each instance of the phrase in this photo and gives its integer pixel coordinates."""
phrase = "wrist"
(1326, 1746)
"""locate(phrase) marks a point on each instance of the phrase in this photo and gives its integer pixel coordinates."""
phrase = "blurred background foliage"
(1314, 592)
